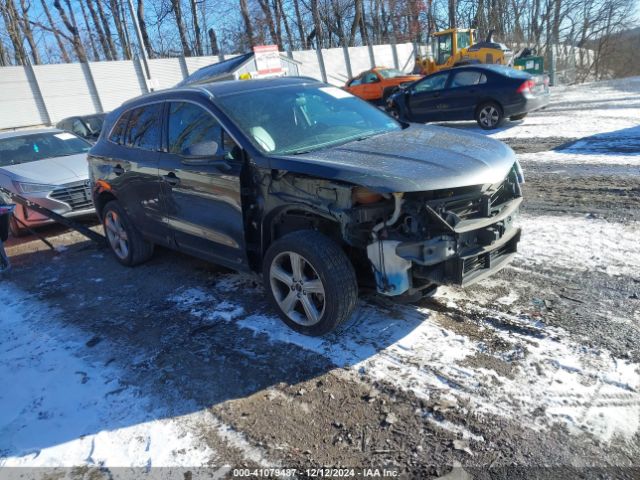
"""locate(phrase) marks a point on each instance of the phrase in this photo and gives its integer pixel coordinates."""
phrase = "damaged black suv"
(314, 188)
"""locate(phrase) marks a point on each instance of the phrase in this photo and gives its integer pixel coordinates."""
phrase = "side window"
(192, 126)
(370, 78)
(433, 83)
(144, 127)
(79, 129)
(117, 133)
(356, 81)
(467, 78)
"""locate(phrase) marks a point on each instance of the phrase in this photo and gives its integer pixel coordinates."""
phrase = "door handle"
(171, 179)
(118, 170)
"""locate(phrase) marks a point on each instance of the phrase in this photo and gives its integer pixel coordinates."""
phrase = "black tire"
(323, 260)
(138, 249)
(15, 229)
(489, 115)
(394, 112)
(518, 117)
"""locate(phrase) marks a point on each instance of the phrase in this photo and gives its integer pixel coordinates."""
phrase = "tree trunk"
(4, 61)
(196, 28)
(10, 16)
(101, 37)
(303, 35)
(452, 13)
(56, 33)
(266, 9)
(107, 30)
(214, 42)
(28, 33)
(287, 28)
(73, 30)
(94, 50)
(143, 29)
(244, 10)
(117, 19)
(317, 25)
(177, 12)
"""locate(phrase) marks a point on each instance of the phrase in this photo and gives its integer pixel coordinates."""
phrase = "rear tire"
(126, 242)
(489, 115)
(310, 281)
(517, 117)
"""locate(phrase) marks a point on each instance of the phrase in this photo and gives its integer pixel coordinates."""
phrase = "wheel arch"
(100, 199)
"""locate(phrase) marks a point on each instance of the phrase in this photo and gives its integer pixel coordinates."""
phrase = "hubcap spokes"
(297, 288)
(489, 116)
(116, 234)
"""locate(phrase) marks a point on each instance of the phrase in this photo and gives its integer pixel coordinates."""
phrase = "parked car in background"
(85, 126)
(486, 93)
(378, 83)
(48, 167)
(316, 189)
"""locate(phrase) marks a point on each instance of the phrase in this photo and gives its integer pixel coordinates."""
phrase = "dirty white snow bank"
(59, 407)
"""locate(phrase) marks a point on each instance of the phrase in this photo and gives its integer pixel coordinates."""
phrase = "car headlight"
(25, 187)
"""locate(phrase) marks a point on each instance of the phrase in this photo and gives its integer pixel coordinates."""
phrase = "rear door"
(466, 89)
(132, 168)
(200, 175)
(428, 100)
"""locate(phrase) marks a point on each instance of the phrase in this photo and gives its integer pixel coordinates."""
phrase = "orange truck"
(378, 83)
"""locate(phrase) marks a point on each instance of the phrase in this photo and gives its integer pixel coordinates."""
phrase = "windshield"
(443, 47)
(464, 39)
(299, 118)
(38, 146)
(391, 73)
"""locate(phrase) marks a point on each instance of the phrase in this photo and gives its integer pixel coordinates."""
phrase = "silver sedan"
(48, 167)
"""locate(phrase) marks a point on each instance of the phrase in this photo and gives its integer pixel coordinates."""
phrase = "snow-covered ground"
(59, 407)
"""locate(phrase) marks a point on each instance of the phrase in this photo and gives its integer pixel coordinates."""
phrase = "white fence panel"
(406, 57)
(360, 60)
(166, 72)
(335, 66)
(18, 106)
(309, 63)
(65, 90)
(196, 63)
(116, 82)
(383, 55)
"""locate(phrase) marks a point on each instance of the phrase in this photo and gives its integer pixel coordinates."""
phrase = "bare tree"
(11, 21)
(244, 9)
(98, 27)
(120, 28)
(177, 12)
(196, 28)
(28, 33)
(56, 33)
(92, 43)
(143, 29)
(76, 42)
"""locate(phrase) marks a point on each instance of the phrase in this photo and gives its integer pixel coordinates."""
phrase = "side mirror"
(208, 148)
(206, 153)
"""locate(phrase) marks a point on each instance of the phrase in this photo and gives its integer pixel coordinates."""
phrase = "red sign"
(267, 59)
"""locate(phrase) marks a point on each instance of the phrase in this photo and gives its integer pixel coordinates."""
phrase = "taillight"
(526, 87)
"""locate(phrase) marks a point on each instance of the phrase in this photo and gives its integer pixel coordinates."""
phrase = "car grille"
(76, 195)
(484, 260)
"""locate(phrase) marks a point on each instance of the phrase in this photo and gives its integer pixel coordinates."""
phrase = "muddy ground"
(307, 407)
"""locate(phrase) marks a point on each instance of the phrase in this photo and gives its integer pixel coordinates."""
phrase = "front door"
(428, 100)
(200, 180)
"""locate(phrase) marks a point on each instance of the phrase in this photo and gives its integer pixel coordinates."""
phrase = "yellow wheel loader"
(454, 47)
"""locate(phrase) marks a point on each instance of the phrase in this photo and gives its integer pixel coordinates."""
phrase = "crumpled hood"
(50, 171)
(418, 158)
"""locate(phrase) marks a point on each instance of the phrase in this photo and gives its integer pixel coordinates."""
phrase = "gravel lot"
(179, 363)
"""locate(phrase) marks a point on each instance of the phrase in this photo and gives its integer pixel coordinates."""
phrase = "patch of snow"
(579, 243)
(551, 379)
(66, 409)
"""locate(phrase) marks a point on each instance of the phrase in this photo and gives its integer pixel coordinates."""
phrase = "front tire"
(489, 115)
(124, 239)
(310, 281)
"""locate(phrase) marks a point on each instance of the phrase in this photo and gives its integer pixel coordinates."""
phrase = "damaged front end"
(452, 236)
